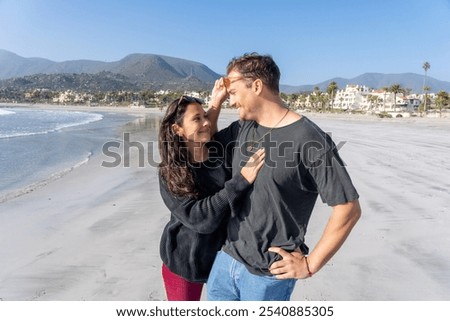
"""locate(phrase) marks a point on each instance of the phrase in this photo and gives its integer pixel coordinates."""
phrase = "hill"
(150, 71)
(143, 70)
(102, 81)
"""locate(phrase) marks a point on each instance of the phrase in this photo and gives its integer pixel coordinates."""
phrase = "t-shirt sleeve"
(329, 174)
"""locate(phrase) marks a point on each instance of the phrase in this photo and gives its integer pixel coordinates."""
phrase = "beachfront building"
(357, 97)
(412, 102)
(351, 98)
(69, 97)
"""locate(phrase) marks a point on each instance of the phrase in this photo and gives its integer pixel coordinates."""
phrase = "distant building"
(352, 97)
(357, 97)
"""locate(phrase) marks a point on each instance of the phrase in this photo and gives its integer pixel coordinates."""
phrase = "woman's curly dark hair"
(174, 167)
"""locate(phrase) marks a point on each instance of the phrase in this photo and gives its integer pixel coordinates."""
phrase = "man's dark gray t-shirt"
(301, 163)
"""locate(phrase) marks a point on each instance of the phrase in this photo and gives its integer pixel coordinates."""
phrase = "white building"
(67, 96)
(352, 97)
(357, 97)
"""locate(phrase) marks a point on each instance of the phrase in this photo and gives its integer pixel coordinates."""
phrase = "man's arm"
(339, 226)
(218, 96)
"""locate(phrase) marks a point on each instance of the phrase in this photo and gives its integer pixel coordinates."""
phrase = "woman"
(197, 187)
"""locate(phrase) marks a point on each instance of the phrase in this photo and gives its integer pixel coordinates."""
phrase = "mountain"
(99, 82)
(376, 80)
(150, 71)
(12, 65)
(145, 70)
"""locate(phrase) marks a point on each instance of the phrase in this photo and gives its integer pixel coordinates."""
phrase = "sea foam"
(4, 112)
(27, 122)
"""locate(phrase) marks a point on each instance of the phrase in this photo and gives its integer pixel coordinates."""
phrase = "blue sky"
(311, 40)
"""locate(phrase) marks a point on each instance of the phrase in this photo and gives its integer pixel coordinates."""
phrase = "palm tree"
(385, 90)
(373, 100)
(324, 100)
(426, 89)
(442, 100)
(293, 99)
(379, 102)
(302, 100)
(315, 97)
(341, 99)
(331, 91)
(395, 89)
(426, 66)
(285, 98)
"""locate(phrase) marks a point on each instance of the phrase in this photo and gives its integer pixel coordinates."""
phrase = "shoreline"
(29, 188)
(51, 231)
(65, 166)
(141, 111)
(100, 108)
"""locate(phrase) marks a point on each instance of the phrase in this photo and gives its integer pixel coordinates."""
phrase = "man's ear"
(177, 130)
(257, 86)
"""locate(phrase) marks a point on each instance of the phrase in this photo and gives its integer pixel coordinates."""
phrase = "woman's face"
(195, 126)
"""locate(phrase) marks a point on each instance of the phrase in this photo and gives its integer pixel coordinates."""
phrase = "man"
(264, 253)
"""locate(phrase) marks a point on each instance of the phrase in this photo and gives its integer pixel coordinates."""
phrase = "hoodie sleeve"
(205, 215)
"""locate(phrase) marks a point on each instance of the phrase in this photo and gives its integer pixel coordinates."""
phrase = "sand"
(94, 233)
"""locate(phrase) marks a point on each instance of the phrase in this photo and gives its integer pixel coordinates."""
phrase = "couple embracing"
(240, 199)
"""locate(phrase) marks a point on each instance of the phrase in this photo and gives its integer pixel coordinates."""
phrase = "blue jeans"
(230, 280)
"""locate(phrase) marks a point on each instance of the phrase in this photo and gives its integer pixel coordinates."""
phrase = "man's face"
(240, 94)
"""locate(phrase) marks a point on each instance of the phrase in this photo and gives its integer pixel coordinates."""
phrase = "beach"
(93, 233)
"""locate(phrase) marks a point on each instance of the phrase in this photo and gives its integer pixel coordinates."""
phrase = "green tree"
(372, 100)
(331, 91)
(302, 100)
(395, 89)
(426, 65)
(166, 99)
(147, 97)
(424, 105)
(442, 100)
(293, 99)
(315, 97)
(341, 99)
(324, 101)
(385, 91)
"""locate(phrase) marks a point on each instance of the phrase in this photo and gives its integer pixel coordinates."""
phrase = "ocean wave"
(4, 112)
(62, 119)
(90, 119)
(34, 186)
